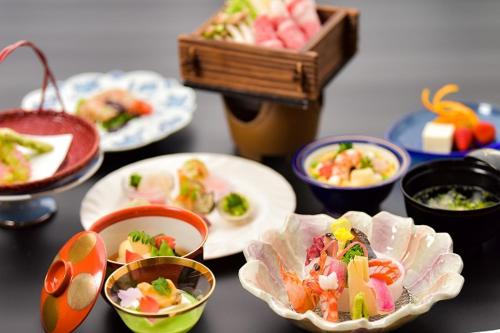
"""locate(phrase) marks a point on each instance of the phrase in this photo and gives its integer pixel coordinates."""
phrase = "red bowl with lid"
(85, 143)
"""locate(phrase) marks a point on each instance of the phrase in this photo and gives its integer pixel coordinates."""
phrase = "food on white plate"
(468, 130)
(272, 23)
(438, 138)
(352, 165)
(15, 166)
(198, 191)
(139, 245)
(235, 207)
(151, 187)
(342, 274)
(112, 108)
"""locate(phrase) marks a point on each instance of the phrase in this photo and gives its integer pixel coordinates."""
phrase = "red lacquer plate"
(85, 144)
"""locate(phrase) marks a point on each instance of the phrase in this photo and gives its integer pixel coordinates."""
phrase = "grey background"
(405, 46)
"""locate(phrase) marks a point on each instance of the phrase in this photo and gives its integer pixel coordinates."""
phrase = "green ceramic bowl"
(187, 275)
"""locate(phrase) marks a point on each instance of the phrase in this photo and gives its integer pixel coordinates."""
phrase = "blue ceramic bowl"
(340, 199)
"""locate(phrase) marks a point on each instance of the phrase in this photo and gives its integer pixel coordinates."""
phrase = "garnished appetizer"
(235, 207)
(343, 274)
(271, 23)
(351, 165)
(15, 166)
(161, 295)
(140, 245)
(456, 126)
(193, 194)
(112, 109)
(152, 187)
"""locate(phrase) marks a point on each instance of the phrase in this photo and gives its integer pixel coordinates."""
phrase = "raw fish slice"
(448, 284)
(430, 248)
(391, 234)
(258, 278)
(286, 28)
(217, 185)
(445, 263)
(298, 236)
(385, 302)
(304, 13)
(419, 234)
(267, 256)
(283, 249)
(360, 221)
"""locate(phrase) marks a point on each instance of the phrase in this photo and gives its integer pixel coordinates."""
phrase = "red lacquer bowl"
(85, 144)
(84, 147)
(189, 230)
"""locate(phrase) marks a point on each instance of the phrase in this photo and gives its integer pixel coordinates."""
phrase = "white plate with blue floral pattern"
(173, 105)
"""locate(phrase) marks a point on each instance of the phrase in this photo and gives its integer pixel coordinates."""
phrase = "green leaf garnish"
(161, 286)
(135, 180)
(141, 236)
(354, 251)
(344, 146)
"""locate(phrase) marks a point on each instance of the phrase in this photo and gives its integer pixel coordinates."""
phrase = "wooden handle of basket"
(47, 75)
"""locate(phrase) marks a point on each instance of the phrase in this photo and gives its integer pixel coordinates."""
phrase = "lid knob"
(58, 277)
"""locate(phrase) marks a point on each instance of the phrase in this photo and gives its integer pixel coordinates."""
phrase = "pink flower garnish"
(130, 298)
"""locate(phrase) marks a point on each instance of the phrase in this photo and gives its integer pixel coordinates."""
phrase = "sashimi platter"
(287, 228)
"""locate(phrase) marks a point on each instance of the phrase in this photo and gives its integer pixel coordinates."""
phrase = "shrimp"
(344, 162)
(328, 300)
(307, 294)
(299, 293)
(385, 270)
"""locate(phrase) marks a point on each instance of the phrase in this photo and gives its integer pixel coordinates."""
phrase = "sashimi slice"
(217, 185)
(430, 248)
(419, 235)
(445, 263)
(391, 234)
(385, 302)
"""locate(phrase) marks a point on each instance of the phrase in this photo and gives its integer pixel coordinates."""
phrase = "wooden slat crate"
(279, 74)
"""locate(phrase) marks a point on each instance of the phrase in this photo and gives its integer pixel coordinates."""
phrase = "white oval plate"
(272, 196)
(173, 105)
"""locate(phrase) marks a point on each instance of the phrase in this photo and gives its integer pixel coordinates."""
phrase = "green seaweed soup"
(456, 197)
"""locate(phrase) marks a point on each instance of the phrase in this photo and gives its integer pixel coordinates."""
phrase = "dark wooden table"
(405, 46)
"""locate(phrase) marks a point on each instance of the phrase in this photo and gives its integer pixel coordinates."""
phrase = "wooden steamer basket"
(18, 205)
(272, 97)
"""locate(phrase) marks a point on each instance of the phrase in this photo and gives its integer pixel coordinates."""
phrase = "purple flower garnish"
(130, 298)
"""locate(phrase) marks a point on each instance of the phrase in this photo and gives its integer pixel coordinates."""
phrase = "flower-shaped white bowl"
(432, 269)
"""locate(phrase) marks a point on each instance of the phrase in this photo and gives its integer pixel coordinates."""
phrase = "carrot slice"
(443, 91)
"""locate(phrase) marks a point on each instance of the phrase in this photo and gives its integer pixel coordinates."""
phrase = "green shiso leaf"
(161, 286)
(354, 251)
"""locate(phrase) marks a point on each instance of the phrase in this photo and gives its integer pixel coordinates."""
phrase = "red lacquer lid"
(73, 283)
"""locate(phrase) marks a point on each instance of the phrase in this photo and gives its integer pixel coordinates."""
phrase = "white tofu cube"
(438, 138)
